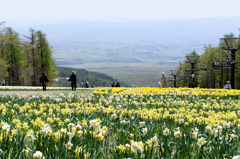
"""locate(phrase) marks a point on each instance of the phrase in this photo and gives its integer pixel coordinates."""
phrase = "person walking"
(228, 85)
(164, 80)
(73, 80)
(44, 80)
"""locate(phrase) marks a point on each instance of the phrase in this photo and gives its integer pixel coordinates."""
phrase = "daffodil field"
(122, 123)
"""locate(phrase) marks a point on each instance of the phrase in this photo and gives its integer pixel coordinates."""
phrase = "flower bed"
(122, 123)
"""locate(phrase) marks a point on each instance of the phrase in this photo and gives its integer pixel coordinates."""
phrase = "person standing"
(73, 80)
(228, 85)
(118, 84)
(164, 80)
(159, 85)
(82, 84)
(192, 81)
(113, 84)
(87, 84)
(92, 85)
(3, 83)
(44, 80)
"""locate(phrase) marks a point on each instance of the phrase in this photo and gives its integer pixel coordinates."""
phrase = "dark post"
(233, 51)
(192, 68)
(175, 81)
(174, 74)
(231, 45)
(193, 60)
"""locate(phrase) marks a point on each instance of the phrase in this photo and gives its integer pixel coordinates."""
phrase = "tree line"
(213, 67)
(24, 58)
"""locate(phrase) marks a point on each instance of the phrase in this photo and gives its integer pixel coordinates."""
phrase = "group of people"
(162, 83)
(73, 79)
(87, 85)
(192, 82)
(115, 85)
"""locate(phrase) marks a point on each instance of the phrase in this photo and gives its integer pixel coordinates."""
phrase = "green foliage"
(44, 52)
(13, 54)
(3, 68)
(22, 61)
(209, 76)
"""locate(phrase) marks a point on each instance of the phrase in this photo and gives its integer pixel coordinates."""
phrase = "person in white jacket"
(228, 85)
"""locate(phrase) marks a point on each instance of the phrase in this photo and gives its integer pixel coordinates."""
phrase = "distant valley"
(134, 52)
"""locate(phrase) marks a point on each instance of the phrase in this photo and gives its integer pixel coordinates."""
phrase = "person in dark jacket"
(87, 84)
(113, 84)
(44, 80)
(92, 85)
(118, 84)
(73, 80)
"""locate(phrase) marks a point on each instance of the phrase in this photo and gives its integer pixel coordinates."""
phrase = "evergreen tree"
(30, 48)
(3, 63)
(27, 72)
(3, 69)
(44, 52)
(22, 61)
(13, 56)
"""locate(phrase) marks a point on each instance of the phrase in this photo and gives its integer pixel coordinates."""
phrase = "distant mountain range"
(123, 49)
(135, 42)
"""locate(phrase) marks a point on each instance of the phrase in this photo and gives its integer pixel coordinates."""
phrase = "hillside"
(99, 79)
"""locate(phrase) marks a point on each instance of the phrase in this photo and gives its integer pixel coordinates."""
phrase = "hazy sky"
(115, 10)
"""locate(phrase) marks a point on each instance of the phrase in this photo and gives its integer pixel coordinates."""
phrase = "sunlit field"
(122, 123)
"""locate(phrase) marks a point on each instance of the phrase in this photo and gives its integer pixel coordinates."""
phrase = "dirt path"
(85, 92)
